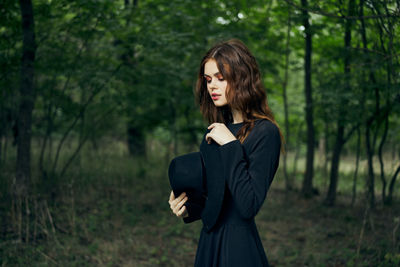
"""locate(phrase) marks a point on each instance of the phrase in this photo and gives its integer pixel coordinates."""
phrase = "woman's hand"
(176, 204)
(220, 134)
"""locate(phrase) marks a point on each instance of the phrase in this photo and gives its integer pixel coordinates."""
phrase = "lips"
(215, 96)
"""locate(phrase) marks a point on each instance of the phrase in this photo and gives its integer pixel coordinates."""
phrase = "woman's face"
(216, 84)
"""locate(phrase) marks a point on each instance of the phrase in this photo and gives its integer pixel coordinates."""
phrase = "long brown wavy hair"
(245, 91)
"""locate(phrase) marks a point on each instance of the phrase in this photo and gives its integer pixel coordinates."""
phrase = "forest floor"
(118, 215)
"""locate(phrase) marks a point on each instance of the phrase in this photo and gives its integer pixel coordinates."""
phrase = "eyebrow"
(215, 74)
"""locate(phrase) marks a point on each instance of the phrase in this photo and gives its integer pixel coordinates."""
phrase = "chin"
(220, 104)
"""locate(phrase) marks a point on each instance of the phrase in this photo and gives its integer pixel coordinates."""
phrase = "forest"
(97, 97)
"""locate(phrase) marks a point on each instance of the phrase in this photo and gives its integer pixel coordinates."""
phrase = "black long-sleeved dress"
(249, 169)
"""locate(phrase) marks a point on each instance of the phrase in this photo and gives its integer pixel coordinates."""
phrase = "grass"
(112, 210)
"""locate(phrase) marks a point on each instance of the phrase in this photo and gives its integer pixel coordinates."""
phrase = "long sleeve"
(194, 211)
(249, 176)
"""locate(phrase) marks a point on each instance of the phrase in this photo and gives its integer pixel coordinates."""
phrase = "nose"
(213, 83)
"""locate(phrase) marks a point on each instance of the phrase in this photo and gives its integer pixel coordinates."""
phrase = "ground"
(115, 212)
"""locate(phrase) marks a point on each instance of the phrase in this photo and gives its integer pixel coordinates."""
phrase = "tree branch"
(319, 11)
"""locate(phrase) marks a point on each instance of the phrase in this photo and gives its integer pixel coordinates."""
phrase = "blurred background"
(96, 98)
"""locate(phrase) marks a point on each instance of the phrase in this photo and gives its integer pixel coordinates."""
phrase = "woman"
(232, 98)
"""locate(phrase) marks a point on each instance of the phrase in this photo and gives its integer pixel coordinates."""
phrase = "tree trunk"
(354, 190)
(327, 148)
(5, 146)
(369, 121)
(307, 189)
(371, 177)
(389, 198)
(337, 149)
(288, 182)
(321, 152)
(340, 140)
(136, 141)
(380, 156)
(1, 150)
(49, 129)
(297, 149)
(27, 99)
(389, 73)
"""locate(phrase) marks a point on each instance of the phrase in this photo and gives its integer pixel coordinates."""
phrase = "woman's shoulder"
(265, 127)
(264, 136)
(264, 131)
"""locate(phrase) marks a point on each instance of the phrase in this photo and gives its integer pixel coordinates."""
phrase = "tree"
(27, 100)
(341, 139)
(307, 188)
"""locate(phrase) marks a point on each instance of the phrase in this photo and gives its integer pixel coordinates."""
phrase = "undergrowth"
(111, 209)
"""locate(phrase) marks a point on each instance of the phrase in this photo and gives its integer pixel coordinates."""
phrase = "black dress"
(249, 170)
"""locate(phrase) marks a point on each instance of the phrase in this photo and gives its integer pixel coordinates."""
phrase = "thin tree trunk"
(389, 199)
(49, 130)
(380, 156)
(307, 188)
(369, 121)
(371, 177)
(340, 140)
(174, 129)
(354, 190)
(297, 149)
(321, 152)
(326, 155)
(288, 182)
(337, 149)
(389, 73)
(5, 146)
(1, 150)
(136, 141)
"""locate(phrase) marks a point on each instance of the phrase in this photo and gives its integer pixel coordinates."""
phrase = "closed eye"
(218, 76)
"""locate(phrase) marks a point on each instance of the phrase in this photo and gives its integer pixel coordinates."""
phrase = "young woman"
(232, 98)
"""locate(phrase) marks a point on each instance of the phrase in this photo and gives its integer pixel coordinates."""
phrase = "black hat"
(186, 174)
(199, 174)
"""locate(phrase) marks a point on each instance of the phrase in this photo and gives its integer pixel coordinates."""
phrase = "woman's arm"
(249, 181)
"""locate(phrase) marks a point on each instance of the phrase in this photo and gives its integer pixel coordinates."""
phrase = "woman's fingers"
(178, 199)
(171, 197)
(212, 125)
(179, 205)
(173, 200)
(211, 134)
(208, 138)
(182, 212)
(219, 133)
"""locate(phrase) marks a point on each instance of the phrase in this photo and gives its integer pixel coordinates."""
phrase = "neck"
(237, 116)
